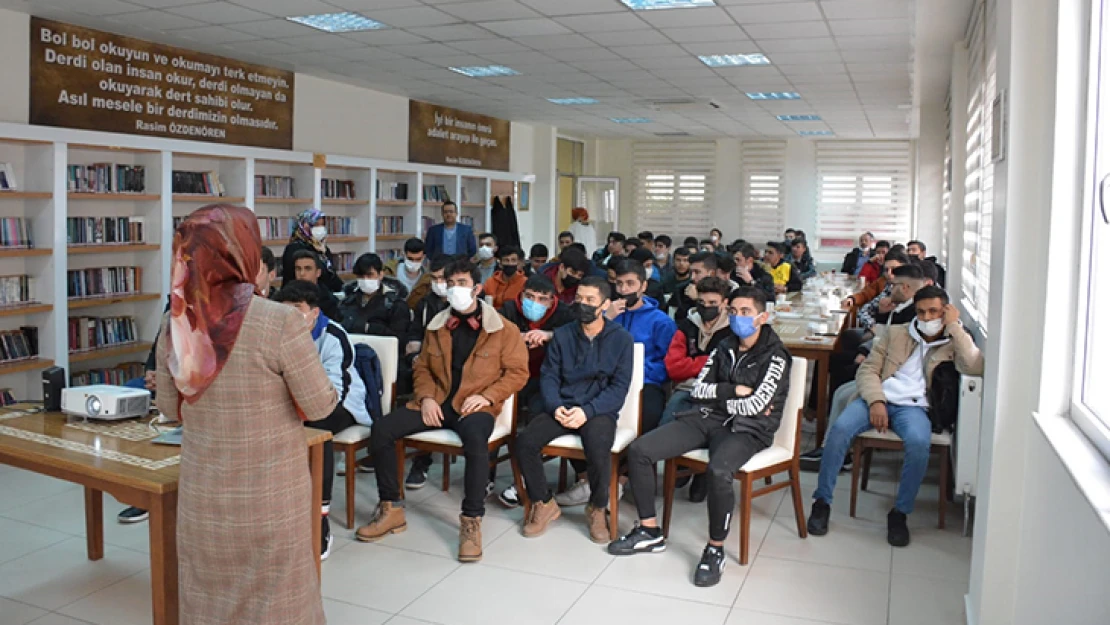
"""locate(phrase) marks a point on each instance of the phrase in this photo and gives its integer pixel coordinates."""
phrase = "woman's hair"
(579, 214)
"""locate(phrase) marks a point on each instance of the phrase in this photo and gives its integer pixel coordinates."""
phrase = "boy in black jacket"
(376, 305)
(740, 394)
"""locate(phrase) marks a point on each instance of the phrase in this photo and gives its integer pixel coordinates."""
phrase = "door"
(601, 197)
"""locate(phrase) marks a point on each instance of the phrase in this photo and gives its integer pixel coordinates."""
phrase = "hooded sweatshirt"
(655, 329)
(690, 348)
(592, 373)
(907, 386)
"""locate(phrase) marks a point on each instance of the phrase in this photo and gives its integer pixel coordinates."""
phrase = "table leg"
(821, 379)
(163, 558)
(316, 468)
(94, 523)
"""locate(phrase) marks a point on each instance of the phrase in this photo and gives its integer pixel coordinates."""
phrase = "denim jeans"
(679, 401)
(911, 423)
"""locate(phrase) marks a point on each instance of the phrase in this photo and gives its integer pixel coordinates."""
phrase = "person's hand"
(860, 358)
(780, 288)
(575, 418)
(744, 274)
(412, 347)
(691, 291)
(616, 307)
(560, 415)
(743, 391)
(431, 413)
(474, 403)
(951, 314)
(879, 419)
(536, 338)
(848, 303)
(150, 380)
(886, 305)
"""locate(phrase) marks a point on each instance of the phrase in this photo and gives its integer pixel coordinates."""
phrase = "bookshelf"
(280, 190)
(395, 211)
(473, 202)
(345, 199)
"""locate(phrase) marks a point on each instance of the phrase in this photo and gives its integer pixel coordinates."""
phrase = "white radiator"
(965, 444)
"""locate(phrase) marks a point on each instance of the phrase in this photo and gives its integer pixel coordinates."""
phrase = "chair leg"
(866, 467)
(796, 489)
(614, 500)
(562, 475)
(518, 481)
(942, 506)
(857, 453)
(401, 466)
(745, 516)
(350, 479)
(669, 471)
(768, 480)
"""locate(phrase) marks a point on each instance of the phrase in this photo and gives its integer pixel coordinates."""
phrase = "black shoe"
(132, 515)
(366, 465)
(819, 518)
(682, 482)
(897, 534)
(711, 566)
(699, 488)
(640, 540)
(811, 460)
(418, 476)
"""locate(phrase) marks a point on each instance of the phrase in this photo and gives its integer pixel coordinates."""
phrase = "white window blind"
(673, 188)
(946, 190)
(863, 186)
(763, 169)
(979, 172)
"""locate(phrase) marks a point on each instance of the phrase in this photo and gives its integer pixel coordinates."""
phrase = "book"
(15, 233)
(106, 178)
(16, 290)
(115, 376)
(282, 187)
(331, 188)
(197, 183)
(87, 333)
(104, 230)
(391, 190)
(103, 282)
(7, 178)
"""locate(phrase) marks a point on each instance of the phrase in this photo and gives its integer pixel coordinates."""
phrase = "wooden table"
(137, 473)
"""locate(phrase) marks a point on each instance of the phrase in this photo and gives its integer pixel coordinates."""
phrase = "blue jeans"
(911, 423)
(679, 401)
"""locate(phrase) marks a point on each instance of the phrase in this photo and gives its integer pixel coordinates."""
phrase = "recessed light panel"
(630, 120)
(798, 118)
(734, 60)
(773, 95)
(815, 133)
(572, 101)
(338, 22)
(649, 5)
(485, 71)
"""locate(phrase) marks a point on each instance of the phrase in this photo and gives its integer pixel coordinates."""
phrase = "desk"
(137, 473)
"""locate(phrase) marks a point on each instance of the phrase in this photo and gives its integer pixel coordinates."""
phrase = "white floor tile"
(671, 574)
(935, 553)
(20, 487)
(606, 605)
(127, 602)
(404, 620)
(751, 617)
(918, 600)
(16, 613)
(339, 613)
(816, 592)
(380, 578)
(564, 551)
(61, 574)
(18, 539)
(853, 547)
(58, 619)
(478, 595)
(65, 512)
(434, 530)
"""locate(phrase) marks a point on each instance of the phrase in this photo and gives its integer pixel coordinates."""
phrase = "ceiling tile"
(702, 16)
(777, 12)
(847, 28)
(453, 33)
(557, 42)
(791, 30)
(489, 10)
(160, 20)
(526, 27)
(863, 56)
(371, 5)
(593, 53)
(670, 62)
(629, 38)
(721, 47)
(285, 8)
(706, 33)
(804, 58)
(419, 50)
(568, 7)
(860, 9)
(414, 17)
(218, 13)
(812, 44)
(389, 36)
(873, 42)
(161, 4)
(220, 34)
(263, 46)
(605, 22)
(649, 52)
(273, 28)
(488, 46)
(519, 59)
(366, 53)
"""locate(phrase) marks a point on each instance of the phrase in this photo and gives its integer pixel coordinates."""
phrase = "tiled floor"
(849, 577)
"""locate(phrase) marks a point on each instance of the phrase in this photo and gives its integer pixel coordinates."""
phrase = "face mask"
(585, 313)
(533, 310)
(930, 328)
(439, 288)
(714, 238)
(413, 266)
(631, 300)
(743, 327)
(661, 257)
(509, 270)
(570, 281)
(485, 252)
(369, 286)
(460, 297)
(708, 314)
(319, 233)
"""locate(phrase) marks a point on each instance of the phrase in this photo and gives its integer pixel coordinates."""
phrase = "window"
(673, 188)
(946, 190)
(863, 186)
(763, 168)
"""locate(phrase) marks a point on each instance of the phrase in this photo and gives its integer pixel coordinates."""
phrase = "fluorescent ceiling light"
(572, 101)
(338, 22)
(648, 5)
(798, 118)
(485, 71)
(630, 120)
(734, 60)
(815, 133)
(773, 95)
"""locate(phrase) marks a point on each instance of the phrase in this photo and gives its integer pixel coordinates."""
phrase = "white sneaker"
(509, 497)
(576, 495)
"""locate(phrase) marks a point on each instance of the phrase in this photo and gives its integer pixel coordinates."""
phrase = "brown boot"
(388, 519)
(598, 521)
(470, 538)
(542, 514)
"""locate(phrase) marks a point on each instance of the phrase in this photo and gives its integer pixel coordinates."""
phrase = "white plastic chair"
(781, 456)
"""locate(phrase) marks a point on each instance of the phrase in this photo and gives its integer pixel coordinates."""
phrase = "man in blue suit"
(450, 237)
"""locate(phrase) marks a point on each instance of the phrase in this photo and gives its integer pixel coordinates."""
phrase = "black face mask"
(508, 270)
(708, 314)
(570, 281)
(585, 313)
(631, 300)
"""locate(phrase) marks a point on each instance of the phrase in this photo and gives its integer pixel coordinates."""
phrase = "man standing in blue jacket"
(584, 381)
(450, 237)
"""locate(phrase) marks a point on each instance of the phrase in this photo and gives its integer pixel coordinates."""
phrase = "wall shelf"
(34, 251)
(396, 203)
(207, 199)
(110, 248)
(107, 352)
(348, 238)
(115, 197)
(19, 366)
(343, 202)
(283, 200)
(473, 205)
(25, 309)
(394, 237)
(75, 303)
(26, 195)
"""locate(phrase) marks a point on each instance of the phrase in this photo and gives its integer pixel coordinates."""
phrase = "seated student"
(508, 281)
(801, 259)
(697, 335)
(882, 302)
(702, 265)
(267, 278)
(679, 275)
(858, 257)
(644, 256)
(568, 273)
(487, 256)
(584, 382)
(647, 239)
(738, 412)
(452, 390)
(614, 246)
(874, 267)
(411, 272)
(338, 357)
(916, 249)
(750, 272)
(566, 237)
(893, 385)
(308, 267)
(788, 236)
(378, 305)
(726, 266)
(537, 257)
(662, 250)
(691, 243)
(631, 245)
(707, 245)
(786, 276)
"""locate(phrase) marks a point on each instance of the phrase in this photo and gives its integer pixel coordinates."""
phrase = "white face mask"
(439, 288)
(319, 233)
(369, 286)
(413, 266)
(460, 297)
(485, 252)
(661, 257)
(930, 328)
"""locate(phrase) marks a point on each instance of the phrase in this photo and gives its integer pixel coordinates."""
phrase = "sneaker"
(366, 465)
(819, 518)
(682, 482)
(699, 488)
(542, 514)
(811, 460)
(490, 487)
(509, 497)
(640, 540)
(897, 534)
(576, 495)
(326, 551)
(417, 478)
(597, 519)
(132, 515)
(388, 519)
(847, 466)
(710, 568)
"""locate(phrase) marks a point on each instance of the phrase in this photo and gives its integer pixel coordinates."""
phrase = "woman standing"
(232, 367)
(309, 233)
(583, 229)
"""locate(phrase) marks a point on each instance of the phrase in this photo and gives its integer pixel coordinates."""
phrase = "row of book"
(15, 233)
(104, 281)
(104, 230)
(390, 225)
(16, 290)
(436, 193)
(197, 183)
(87, 333)
(391, 190)
(388, 255)
(7, 177)
(276, 228)
(339, 225)
(116, 376)
(106, 178)
(275, 186)
(333, 189)
(19, 344)
(344, 262)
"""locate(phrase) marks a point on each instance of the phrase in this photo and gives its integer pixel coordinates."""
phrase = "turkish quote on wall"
(84, 78)
(440, 135)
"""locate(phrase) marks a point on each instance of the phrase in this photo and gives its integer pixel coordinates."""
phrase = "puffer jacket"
(897, 345)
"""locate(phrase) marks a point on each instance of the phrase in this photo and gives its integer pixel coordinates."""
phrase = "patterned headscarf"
(217, 253)
(302, 231)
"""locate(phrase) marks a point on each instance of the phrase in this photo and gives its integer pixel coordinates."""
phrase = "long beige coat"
(244, 522)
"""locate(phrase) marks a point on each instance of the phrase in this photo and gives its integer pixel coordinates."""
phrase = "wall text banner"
(439, 135)
(88, 79)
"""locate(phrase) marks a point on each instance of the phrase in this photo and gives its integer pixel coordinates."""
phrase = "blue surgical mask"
(533, 310)
(742, 326)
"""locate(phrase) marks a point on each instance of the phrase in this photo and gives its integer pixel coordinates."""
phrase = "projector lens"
(92, 406)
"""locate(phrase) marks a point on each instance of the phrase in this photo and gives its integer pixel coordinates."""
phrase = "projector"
(108, 403)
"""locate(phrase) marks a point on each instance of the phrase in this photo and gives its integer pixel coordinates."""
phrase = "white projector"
(108, 403)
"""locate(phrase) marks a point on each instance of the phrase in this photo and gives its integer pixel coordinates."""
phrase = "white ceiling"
(851, 60)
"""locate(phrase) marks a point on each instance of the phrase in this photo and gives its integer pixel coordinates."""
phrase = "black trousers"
(336, 422)
(651, 412)
(597, 442)
(728, 451)
(474, 430)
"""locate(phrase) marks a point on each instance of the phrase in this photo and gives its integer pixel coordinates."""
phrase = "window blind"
(673, 187)
(946, 189)
(763, 170)
(979, 172)
(863, 186)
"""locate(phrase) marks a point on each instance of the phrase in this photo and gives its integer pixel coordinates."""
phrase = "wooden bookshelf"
(473, 205)
(26, 195)
(31, 364)
(25, 309)
(343, 202)
(282, 200)
(394, 237)
(201, 198)
(115, 197)
(92, 302)
(347, 238)
(396, 203)
(432, 203)
(113, 350)
(18, 252)
(110, 248)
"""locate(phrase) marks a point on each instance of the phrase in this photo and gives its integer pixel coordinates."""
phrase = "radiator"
(965, 444)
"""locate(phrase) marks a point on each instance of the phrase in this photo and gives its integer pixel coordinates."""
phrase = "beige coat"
(895, 347)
